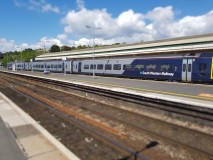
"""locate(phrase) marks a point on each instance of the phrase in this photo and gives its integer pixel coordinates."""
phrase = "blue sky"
(35, 23)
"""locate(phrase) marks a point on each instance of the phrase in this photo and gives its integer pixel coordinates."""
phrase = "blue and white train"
(186, 67)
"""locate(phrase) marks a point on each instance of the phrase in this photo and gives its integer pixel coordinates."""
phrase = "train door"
(63, 67)
(187, 70)
(71, 66)
(79, 67)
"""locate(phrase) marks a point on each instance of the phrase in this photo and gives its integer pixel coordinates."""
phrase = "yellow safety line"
(206, 95)
(148, 90)
(212, 69)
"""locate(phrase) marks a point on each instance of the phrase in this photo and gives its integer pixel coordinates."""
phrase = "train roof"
(197, 43)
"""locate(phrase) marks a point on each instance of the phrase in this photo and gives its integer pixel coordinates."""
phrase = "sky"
(42, 23)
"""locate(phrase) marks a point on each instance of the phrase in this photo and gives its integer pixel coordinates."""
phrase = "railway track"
(124, 124)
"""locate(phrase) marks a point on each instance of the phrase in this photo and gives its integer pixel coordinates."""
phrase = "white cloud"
(6, 46)
(45, 42)
(62, 36)
(135, 27)
(80, 4)
(48, 7)
(39, 5)
(159, 14)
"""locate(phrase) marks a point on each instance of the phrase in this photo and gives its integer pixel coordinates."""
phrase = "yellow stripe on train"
(212, 69)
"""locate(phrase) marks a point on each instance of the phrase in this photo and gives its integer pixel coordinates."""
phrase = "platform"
(22, 138)
(200, 95)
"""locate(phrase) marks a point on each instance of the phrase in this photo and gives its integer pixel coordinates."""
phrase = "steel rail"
(85, 127)
(173, 107)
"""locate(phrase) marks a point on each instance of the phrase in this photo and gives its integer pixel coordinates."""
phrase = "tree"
(1, 56)
(66, 48)
(82, 47)
(27, 54)
(55, 48)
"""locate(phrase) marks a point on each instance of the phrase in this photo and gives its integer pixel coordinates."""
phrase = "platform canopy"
(190, 44)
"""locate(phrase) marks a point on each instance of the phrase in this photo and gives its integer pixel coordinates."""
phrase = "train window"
(117, 67)
(167, 68)
(202, 67)
(48, 66)
(127, 67)
(86, 66)
(184, 67)
(52, 66)
(59, 66)
(139, 67)
(108, 66)
(42, 66)
(151, 67)
(100, 66)
(189, 68)
(91, 66)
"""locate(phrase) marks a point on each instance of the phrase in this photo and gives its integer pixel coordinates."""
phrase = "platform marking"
(148, 90)
(206, 95)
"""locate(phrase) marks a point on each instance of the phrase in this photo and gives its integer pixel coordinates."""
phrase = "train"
(196, 67)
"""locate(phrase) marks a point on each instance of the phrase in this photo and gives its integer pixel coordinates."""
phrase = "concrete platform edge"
(43, 131)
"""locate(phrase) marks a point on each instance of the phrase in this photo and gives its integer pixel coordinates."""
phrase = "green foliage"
(55, 48)
(66, 48)
(24, 56)
(82, 47)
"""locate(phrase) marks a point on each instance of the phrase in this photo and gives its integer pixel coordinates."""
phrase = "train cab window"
(139, 67)
(117, 67)
(189, 68)
(92, 66)
(127, 67)
(202, 67)
(151, 67)
(86, 66)
(100, 66)
(108, 66)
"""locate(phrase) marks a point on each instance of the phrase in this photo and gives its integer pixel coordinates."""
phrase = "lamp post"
(31, 61)
(93, 37)
(21, 61)
(20, 49)
(44, 52)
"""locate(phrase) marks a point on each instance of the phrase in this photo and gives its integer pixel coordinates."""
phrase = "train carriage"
(186, 67)
(189, 68)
